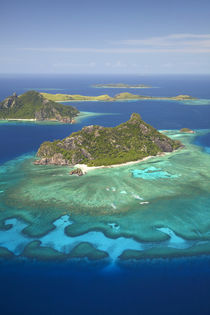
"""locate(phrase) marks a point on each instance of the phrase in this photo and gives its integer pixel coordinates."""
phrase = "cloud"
(170, 41)
(192, 50)
(72, 65)
(118, 64)
(173, 43)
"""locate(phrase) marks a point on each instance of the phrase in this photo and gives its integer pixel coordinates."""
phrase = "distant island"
(187, 130)
(104, 146)
(106, 98)
(32, 106)
(122, 86)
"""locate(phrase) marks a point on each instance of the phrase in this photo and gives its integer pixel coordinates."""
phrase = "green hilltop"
(33, 105)
(97, 146)
(76, 97)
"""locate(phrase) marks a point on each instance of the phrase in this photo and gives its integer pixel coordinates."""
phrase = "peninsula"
(104, 146)
(118, 97)
(32, 106)
(122, 86)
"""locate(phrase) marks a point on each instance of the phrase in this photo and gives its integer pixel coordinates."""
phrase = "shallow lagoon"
(157, 208)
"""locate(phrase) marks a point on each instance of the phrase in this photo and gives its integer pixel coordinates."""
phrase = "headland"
(33, 106)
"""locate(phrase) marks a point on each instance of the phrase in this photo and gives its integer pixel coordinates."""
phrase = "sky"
(109, 36)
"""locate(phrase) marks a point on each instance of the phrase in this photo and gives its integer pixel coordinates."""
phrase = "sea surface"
(144, 229)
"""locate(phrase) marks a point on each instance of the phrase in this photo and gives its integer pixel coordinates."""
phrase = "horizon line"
(98, 73)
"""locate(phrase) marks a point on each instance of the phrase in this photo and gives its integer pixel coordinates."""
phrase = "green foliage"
(32, 105)
(95, 145)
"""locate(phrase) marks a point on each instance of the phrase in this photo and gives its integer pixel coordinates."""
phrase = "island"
(33, 106)
(97, 146)
(187, 130)
(122, 86)
(118, 97)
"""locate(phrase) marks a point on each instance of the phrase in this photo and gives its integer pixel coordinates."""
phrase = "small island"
(187, 130)
(118, 97)
(99, 146)
(33, 106)
(121, 86)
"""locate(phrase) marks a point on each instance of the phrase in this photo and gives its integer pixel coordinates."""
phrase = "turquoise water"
(132, 211)
(199, 102)
(127, 203)
(152, 173)
(127, 240)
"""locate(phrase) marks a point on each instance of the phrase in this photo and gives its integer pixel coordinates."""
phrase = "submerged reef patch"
(152, 173)
(93, 245)
(198, 102)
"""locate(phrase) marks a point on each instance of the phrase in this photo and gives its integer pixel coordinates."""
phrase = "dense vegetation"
(33, 105)
(96, 145)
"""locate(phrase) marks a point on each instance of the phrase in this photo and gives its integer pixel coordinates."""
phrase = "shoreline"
(85, 169)
(36, 120)
(75, 120)
(19, 119)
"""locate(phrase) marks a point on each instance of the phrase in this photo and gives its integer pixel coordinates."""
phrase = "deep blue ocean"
(167, 286)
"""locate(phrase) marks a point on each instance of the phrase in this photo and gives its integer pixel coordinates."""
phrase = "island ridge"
(106, 98)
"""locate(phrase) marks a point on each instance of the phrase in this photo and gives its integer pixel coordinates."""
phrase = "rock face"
(10, 102)
(32, 105)
(56, 159)
(96, 145)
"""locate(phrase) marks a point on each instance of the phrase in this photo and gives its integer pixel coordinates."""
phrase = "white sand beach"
(86, 168)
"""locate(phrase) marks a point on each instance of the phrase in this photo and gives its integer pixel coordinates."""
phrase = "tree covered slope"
(33, 105)
(96, 145)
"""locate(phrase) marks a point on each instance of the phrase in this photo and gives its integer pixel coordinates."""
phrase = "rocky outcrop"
(56, 159)
(10, 102)
(50, 113)
(77, 172)
(163, 144)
